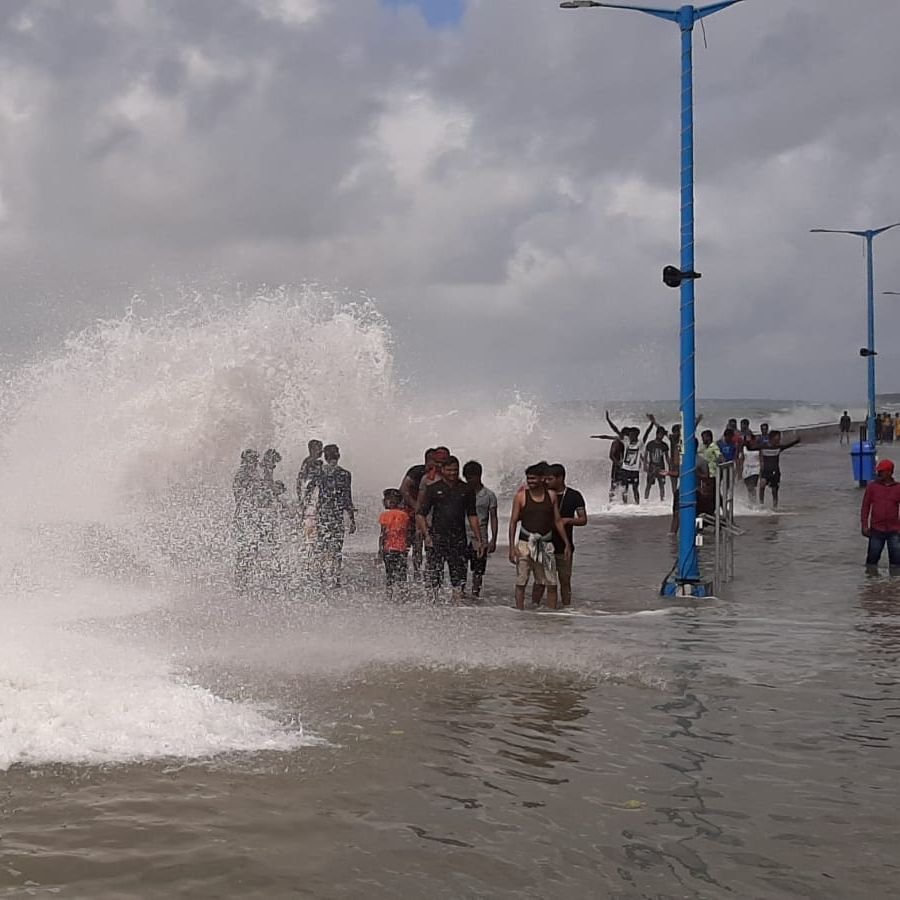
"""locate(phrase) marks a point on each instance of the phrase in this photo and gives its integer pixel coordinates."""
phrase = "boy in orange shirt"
(393, 543)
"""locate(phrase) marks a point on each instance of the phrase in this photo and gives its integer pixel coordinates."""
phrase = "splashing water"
(117, 464)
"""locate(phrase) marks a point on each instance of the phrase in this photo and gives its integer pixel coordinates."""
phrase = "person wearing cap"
(880, 517)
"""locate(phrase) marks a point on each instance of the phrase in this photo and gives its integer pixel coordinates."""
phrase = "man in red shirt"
(881, 518)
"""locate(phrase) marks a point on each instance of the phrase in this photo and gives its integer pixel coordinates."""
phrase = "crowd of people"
(448, 523)
(444, 520)
(657, 457)
(324, 514)
(887, 427)
(441, 516)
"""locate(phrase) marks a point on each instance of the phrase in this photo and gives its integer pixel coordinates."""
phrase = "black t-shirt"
(656, 452)
(449, 505)
(416, 474)
(569, 502)
(335, 493)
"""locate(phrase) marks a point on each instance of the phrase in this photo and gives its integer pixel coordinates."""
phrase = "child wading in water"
(393, 543)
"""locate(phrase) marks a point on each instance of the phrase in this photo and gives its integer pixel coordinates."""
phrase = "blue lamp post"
(687, 580)
(869, 350)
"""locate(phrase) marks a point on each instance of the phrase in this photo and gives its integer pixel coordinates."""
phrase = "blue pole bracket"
(673, 276)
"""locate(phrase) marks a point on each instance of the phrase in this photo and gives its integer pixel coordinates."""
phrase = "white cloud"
(294, 13)
(488, 173)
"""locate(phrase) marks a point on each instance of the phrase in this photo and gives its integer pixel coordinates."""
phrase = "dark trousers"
(877, 540)
(395, 567)
(454, 554)
(478, 563)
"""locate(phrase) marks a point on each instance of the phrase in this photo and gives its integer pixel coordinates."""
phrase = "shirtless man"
(531, 548)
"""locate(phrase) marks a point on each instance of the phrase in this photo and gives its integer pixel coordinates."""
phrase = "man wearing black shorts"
(451, 503)
(770, 471)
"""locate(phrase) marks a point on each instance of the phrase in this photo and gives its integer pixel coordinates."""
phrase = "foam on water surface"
(70, 694)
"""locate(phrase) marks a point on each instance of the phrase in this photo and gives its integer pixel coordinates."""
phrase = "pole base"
(683, 589)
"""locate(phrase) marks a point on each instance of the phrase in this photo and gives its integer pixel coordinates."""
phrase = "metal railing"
(722, 522)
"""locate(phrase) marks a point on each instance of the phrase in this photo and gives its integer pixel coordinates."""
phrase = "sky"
(499, 175)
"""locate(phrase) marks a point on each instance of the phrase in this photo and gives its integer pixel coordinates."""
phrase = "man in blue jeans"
(881, 518)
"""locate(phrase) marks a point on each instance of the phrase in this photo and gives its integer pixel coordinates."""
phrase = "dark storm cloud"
(512, 178)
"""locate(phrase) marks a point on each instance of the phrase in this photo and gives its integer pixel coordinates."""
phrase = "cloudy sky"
(500, 175)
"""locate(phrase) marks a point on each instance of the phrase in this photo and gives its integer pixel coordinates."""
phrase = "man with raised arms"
(656, 462)
(770, 466)
(532, 523)
(630, 466)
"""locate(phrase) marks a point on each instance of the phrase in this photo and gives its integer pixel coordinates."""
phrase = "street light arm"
(878, 231)
(669, 14)
(705, 11)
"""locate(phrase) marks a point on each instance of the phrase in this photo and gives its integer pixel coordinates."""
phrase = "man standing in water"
(656, 462)
(270, 503)
(409, 490)
(531, 551)
(880, 516)
(845, 425)
(750, 468)
(334, 501)
(307, 485)
(310, 467)
(486, 508)
(616, 451)
(770, 466)
(450, 503)
(247, 488)
(434, 472)
(574, 515)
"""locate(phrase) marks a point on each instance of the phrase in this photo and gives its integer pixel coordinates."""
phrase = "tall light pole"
(687, 571)
(869, 350)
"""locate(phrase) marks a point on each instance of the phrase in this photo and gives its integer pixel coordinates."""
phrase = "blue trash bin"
(862, 455)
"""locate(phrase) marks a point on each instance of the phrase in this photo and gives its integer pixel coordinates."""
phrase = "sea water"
(163, 736)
